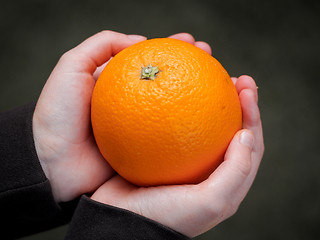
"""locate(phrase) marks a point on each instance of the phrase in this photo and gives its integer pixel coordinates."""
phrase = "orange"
(163, 112)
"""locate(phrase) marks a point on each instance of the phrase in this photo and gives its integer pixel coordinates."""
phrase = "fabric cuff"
(95, 220)
(20, 166)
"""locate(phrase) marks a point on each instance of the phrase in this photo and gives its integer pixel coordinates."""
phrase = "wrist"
(43, 153)
(40, 154)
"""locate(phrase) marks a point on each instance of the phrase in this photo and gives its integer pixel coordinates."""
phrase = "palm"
(68, 125)
(164, 204)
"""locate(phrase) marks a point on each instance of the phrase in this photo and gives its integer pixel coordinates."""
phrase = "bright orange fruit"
(163, 112)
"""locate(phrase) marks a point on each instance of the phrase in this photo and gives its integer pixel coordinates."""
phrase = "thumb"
(98, 49)
(229, 178)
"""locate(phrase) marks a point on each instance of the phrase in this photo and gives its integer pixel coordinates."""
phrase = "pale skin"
(74, 165)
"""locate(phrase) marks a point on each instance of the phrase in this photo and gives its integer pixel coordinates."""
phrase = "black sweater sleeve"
(27, 205)
(94, 220)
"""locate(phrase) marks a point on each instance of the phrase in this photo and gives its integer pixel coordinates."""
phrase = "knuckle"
(229, 209)
(244, 168)
(66, 56)
(232, 208)
(214, 211)
(221, 212)
(106, 33)
(262, 148)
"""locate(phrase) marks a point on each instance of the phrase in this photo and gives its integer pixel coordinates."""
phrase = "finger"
(116, 187)
(204, 46)
(98, 49)
(227, 181)
(248, 96)
(252, 121)
(247, 82)
(186, 37)
(250, 110)
(99, 69)
(234, 80)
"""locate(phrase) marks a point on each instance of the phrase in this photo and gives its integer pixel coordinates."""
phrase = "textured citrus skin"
(173, 130)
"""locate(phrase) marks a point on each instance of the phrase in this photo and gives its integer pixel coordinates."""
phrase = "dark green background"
(276, 42)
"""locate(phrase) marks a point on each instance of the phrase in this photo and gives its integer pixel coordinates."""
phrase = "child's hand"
(194, 209)
(61, 122)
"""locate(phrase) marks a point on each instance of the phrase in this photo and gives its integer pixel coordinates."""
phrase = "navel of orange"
(163, 112)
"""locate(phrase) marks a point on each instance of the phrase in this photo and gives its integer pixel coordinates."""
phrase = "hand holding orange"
(163, 112)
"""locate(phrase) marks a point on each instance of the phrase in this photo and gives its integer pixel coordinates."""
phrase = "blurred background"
(276, 42)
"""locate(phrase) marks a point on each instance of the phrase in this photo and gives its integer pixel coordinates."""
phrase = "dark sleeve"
(94, 220)
(27, 205)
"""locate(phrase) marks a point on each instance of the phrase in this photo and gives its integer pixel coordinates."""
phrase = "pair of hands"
(73, 164)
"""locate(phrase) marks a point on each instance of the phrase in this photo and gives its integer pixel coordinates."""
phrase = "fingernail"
(234, 80)
(246, 138)
(136, 37)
